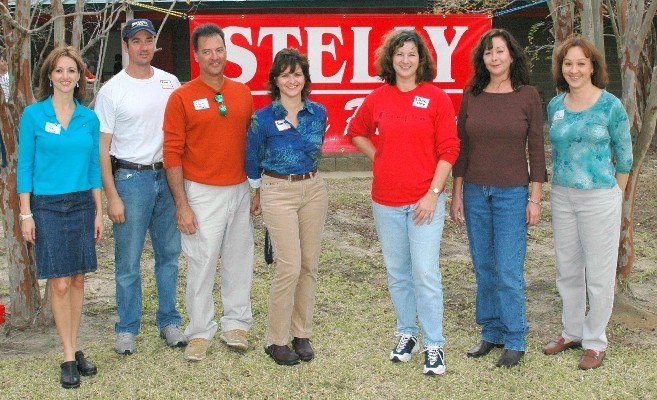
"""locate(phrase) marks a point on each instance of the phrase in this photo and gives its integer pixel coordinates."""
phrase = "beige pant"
(587, 227)
(294, 213)
(225, 229)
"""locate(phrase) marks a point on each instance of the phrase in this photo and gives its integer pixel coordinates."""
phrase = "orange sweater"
(210, 148)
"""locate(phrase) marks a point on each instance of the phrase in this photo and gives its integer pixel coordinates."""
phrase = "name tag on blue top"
(53, 128)
(282, 125)
(558, 115)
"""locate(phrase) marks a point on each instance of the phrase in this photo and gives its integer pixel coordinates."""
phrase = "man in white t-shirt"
(130, 107)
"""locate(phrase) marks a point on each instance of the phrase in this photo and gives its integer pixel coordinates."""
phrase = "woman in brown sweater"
(499, 123)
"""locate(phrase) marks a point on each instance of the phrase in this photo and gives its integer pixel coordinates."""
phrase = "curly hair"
(45, 88)
(393, 40)
(599, 78)
(284, 59)
(518, 72)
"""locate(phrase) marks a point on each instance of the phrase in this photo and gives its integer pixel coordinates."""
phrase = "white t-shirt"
(132, 110)
(4, 82)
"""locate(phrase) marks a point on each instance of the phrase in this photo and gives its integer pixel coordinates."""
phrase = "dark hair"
(284, 59)
(45, 89)
(393, 40)
(518, 72)
(599, 78)
(208, 29)
(2, 55)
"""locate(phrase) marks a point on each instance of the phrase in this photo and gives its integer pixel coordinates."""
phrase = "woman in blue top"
(59, 189)
(591, 159)
(282, 154)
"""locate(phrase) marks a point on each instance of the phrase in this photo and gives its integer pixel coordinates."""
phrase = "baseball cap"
(135, 25)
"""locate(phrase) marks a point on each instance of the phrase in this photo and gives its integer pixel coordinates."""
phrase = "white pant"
(586, 238)
(225, 228)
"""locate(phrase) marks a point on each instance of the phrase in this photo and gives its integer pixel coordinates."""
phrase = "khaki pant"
(586, 236)
(225, 230)
(294, 213)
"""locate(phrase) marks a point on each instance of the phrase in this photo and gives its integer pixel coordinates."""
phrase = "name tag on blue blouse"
(558, 115)
(53, 128)
(282, 125)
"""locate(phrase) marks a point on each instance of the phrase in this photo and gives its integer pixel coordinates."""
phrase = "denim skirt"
(64, 225)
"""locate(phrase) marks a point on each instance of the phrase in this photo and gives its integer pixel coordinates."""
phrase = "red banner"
(340, 51)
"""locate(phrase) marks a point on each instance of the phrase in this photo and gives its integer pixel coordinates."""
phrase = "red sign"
(341, 51)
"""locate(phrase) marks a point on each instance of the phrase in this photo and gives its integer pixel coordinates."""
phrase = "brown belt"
(292, 177)
(140, 167)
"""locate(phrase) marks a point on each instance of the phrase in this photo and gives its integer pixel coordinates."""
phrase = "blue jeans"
(495, 217)
(149, 207)
(410, 253)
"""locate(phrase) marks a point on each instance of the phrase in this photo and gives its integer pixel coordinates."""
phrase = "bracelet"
(538, 203)
(23, 217)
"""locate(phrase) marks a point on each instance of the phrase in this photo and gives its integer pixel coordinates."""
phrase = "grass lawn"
(354, 327)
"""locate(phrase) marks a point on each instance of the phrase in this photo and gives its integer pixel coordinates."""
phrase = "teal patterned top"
(590, 146)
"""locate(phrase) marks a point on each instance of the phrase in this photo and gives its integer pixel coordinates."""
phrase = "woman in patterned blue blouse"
(591, 158)
(283, 150)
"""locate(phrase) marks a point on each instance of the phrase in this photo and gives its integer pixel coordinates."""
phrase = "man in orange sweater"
(205, 127)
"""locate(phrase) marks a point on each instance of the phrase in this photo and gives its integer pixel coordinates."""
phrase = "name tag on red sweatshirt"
(420, 102)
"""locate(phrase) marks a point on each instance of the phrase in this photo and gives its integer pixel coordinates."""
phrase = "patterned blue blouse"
(590, 146)
(274, 144)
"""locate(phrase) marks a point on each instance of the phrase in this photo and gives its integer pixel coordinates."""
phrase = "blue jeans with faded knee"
(496, 221)
(411, 255)
(149, 207)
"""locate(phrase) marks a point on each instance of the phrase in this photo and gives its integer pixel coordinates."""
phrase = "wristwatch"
(435, 190)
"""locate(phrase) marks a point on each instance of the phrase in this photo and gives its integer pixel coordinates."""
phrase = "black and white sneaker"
(402, 352)
(434, 361)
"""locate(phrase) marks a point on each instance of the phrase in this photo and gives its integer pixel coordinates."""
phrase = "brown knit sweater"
(497, 132)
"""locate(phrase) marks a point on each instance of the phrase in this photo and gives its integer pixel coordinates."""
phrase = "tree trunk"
(24, 288)
(563, 19)
(592, 17)
(59, 30)
(640, 101)
(77, 32)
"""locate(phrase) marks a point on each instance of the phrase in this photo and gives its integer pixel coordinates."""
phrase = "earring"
(77, 84)
(50, 83)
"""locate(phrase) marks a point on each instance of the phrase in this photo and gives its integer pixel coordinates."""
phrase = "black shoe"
(85, 367)
(482, 348)
(283, 355)
(70, 377)
(510, 358)
(303, 348)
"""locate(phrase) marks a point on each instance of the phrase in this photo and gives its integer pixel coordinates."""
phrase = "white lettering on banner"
(362, 62)
(279, 37)
(444, 50)
(315, 50)
(241, 56)
(248, 62)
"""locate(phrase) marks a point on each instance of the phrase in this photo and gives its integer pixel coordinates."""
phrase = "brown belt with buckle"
(292, 177)
(139, 167)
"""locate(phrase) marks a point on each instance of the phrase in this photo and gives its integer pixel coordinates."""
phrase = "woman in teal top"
(591, 157)
(59, 188)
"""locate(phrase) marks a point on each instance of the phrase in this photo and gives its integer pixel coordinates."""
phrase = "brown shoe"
(303, 348)
(558, 345)
(283, 355)
(591, 359)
